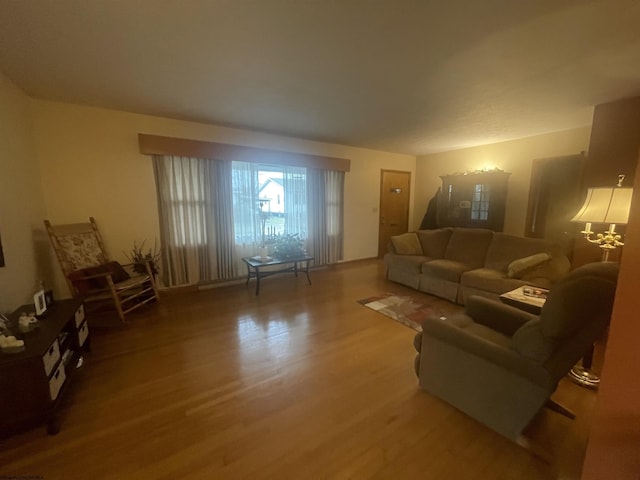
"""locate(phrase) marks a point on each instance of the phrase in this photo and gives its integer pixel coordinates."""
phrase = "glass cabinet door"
(473, 200)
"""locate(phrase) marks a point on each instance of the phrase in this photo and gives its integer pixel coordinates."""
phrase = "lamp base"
(584, 377)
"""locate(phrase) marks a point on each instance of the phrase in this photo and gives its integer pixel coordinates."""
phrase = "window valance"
(159, 145)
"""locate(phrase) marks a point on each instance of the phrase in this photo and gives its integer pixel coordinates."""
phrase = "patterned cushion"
(81, 250)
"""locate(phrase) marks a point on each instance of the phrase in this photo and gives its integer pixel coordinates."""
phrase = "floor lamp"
(607, 205)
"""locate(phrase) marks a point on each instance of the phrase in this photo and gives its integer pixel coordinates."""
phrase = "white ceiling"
(406, 76)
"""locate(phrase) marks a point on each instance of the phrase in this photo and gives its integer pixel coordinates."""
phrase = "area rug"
(408, 311)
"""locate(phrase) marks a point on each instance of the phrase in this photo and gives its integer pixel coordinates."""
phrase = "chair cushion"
(573, 300)
(530, 342)
(519, 267)
(407, 244)
(81, 250)
(83, 284)
(434, 242)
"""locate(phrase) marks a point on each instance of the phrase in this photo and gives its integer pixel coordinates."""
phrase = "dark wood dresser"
(33, 381)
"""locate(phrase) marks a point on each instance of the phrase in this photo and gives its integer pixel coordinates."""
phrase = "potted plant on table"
(289, 245)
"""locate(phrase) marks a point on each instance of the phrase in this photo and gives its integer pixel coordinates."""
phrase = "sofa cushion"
(469, 246)
(410, 263)
(407, 244)
(518, 268)
(444, 269)
(489, 280)
(504, 249)
(434, 242)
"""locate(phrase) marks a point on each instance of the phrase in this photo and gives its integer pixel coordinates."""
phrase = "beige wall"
(21, 202)
(91, 167)
(514, 156)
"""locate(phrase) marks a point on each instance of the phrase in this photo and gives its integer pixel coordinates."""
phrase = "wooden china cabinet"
(473, 199)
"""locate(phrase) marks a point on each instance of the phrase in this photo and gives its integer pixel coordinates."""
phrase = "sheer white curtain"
(246, 219)
(294, 183)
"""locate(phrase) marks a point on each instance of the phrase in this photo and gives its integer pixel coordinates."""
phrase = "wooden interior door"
(394, 206)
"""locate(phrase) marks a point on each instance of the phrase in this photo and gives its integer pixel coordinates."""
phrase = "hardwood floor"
(301, 382)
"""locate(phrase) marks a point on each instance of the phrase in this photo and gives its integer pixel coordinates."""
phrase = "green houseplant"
(138, 258)
(289, 245)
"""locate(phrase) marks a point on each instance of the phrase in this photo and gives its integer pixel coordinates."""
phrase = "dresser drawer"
(56, 381)
(83, 333)
(50, 358)
(79, 316)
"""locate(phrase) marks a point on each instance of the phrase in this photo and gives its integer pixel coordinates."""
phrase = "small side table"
(531, 303)
(256, 267)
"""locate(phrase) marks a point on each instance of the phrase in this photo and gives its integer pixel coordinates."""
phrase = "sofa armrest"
(504, 357)
(496, 315)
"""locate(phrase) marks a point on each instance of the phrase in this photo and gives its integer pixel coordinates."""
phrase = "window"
(214, 213)
(480, 202)
(268, 201)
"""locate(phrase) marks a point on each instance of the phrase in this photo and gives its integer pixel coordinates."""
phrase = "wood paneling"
(300, 382)
(614, 444)
(554, 198)
(614, 144)
(158, 145)
(613, 150)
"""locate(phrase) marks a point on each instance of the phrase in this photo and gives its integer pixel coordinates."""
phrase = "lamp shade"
(605, 205)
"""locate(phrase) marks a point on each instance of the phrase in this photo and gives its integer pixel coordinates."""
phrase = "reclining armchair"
(500, 365)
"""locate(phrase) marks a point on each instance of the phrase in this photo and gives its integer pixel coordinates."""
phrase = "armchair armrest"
(497, 316)
(504, 357)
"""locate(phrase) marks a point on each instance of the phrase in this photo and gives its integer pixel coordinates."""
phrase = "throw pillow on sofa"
(407, 244)
(518, 268)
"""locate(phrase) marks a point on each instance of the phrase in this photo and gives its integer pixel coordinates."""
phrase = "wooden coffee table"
(260, 268)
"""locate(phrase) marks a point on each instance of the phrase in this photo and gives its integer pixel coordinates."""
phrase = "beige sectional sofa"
(454, 263)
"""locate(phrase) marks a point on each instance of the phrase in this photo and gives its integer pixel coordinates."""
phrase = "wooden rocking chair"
(91, 276)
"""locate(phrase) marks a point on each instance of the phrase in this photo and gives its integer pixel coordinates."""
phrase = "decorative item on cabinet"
(474, 199)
